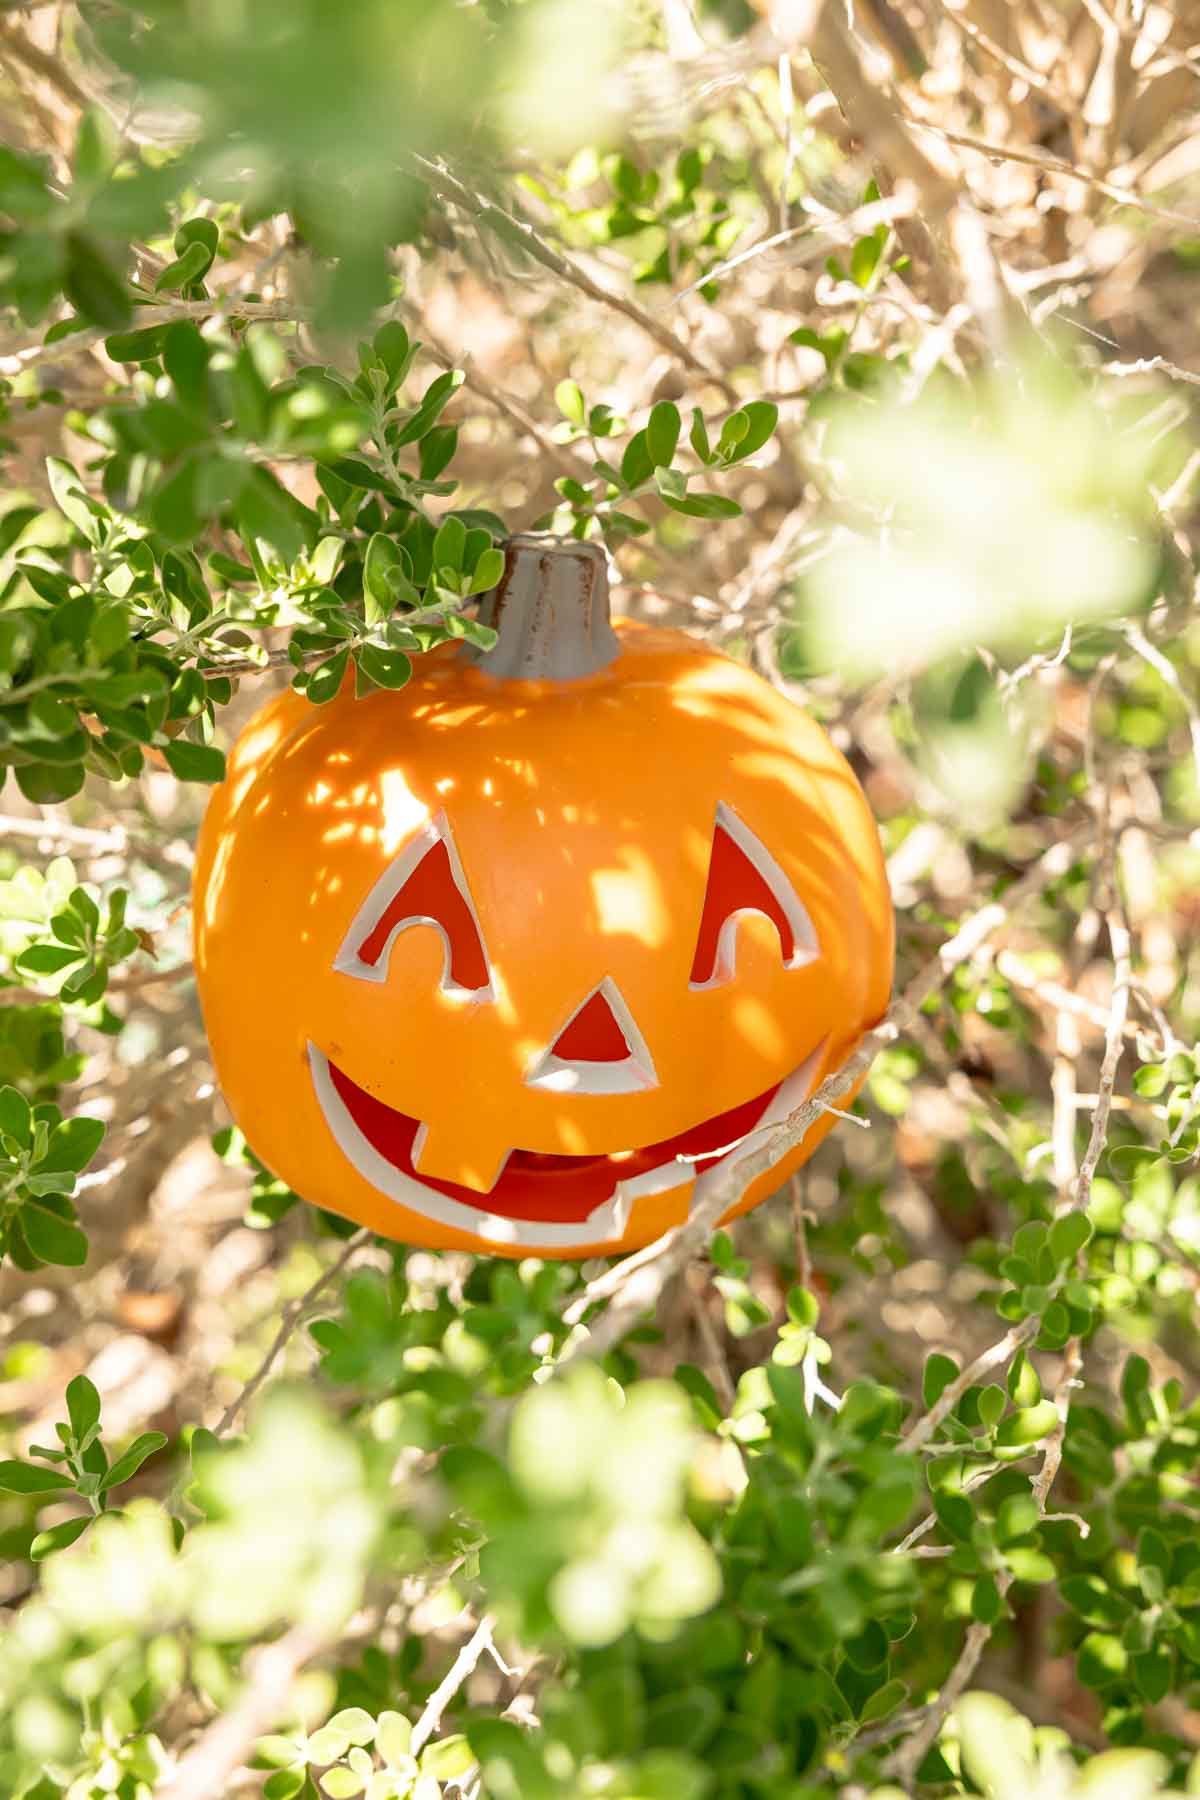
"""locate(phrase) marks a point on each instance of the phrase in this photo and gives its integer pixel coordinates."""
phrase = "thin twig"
(521, 234)
(292, 1316)
(459, 1672)
(996, 1356)
(1056, 165)
(714, 1350)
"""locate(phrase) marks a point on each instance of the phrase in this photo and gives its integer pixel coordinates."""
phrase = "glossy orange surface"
(467, 1083)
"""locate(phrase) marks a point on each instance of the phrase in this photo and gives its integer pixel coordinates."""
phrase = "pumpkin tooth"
(449, 1165)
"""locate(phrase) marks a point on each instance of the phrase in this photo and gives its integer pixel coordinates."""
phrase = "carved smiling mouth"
(541, 1201)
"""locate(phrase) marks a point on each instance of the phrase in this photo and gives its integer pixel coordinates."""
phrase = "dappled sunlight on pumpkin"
(402, 811)
(757, 1024)
(630, 899)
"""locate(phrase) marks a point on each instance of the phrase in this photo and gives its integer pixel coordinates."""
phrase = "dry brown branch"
(1056, 165)
(224, 1745)
(14, 357)
(1021, 71)
(715, 1362)
(520, 232)
(876, 115)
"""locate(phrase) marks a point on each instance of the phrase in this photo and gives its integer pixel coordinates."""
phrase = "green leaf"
(44, 784)
(136, 346)
(202, 232)
(1095, 1602)
(705, 506)
(1024, 1384)
(1101, 1660)
(636, 463)
(52, 1238)
(761, 418)
(391, 346)
(58, 1537)
(662, 433)
(450, 1757)
(195, 762)
(864, 259)
(1028, 1425)
(438, 449)
(192, 266)
(803, 1307)
(128, 1464)
(1068, 1236)
(73, 1144)
(568, 397)
(883, 1702)
(341, 1784)
(83, 1405)
(356, 1723)
(955, 1514)
(487, 571)
(284, 1784)
(393, 1736)
(92, 286)
(45, 959)
(987, 1604)
(71, 498)
(449, 544)
(992, 1403)
(1016, 1517)
(383, 577)
(1031, 1565)
(97, 147)
(386, 668)
(870, 1649)
(1029, 1239)
(326, 679)
(940, 1371)
(185, 358)
(24, 1478)
(15, 1116)
(23, 191)
(250, 396)
(735, 428)
(1152, 1675)
(434, 399)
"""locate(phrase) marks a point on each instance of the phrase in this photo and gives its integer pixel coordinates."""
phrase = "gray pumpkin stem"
(551, 610)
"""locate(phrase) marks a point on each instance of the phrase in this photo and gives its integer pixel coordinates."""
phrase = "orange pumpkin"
(514, 958)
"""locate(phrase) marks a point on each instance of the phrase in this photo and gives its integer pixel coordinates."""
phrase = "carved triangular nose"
(598, 1051)
(593, 1035)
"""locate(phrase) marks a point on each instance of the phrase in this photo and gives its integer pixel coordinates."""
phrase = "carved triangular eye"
(598, 1051)
(743, 877)
(424, 886)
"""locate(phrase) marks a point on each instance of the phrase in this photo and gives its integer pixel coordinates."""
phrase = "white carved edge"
(628, 1076)
(607, 1222)
(804, 932)
(347, 960)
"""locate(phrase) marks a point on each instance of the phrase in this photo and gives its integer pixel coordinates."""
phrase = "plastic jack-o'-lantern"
(517, 958)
